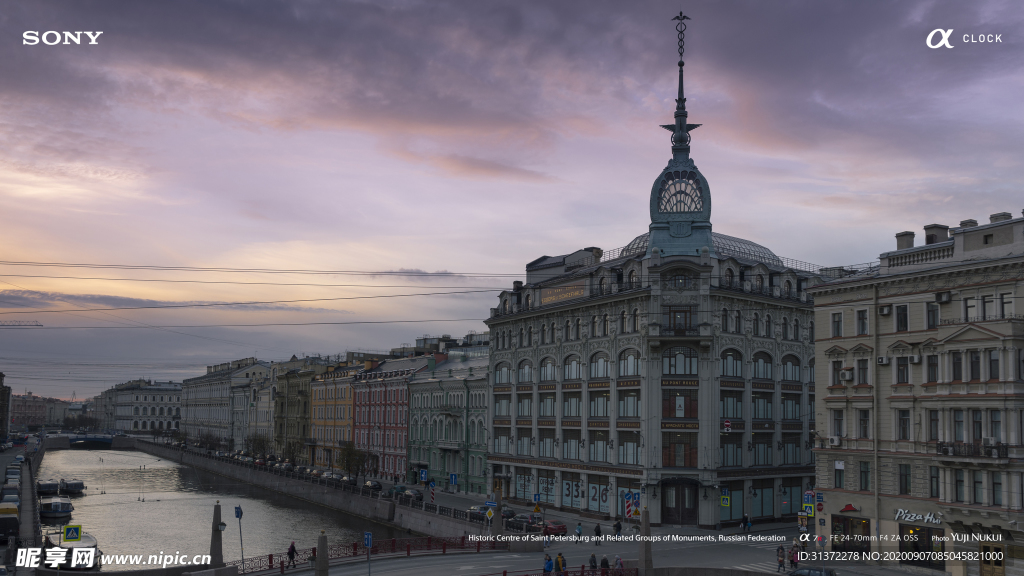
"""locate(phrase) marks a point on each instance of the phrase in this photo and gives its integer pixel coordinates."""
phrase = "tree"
(258, 442)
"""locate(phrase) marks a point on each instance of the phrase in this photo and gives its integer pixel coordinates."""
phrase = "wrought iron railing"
(974, 319)
(965, 449)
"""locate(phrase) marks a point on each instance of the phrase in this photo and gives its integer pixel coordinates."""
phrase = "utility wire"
(259, 325)
(256, 270)
(238, 283)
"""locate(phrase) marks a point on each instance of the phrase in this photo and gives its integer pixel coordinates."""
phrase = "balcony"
(970, 450)
(680, 331)
(449, 444)
(976, 319)
(310, 441)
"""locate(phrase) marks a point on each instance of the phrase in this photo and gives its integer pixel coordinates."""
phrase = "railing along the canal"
(393, 546)
(581, 571)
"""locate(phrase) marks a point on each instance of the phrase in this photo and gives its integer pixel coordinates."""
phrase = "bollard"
(444, 547)
(314, 551)
(408, 549)
(270, 561)
(477, 545)
(354, 545)
(282, 566)
(504, 573)
(462, 542)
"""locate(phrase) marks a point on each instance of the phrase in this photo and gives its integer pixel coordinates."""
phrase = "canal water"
(152, 505)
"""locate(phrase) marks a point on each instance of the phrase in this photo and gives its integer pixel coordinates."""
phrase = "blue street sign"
(423, 475)
(72, 533)
(808, 498)
(368, 539)
(643, 489)
(238, 511)
(536, 497)
(453, 479)
(627, 496)
(431, 483)
(491, 504)
(725, 491)
(821, 496)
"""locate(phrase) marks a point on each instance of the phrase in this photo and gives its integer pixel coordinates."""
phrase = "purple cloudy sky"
(465, 136)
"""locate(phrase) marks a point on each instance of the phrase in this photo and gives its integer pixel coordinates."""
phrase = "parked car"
(554, 528)
(350, 480)
(287, 467)
(19, 458)
(477, 510)
(316, 473)
(394, 491)
(373, 485)
(414, 494)
(261, 462)
(507, 513)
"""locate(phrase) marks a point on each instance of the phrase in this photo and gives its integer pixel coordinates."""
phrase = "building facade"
(676, 369)
(921, 397)
(332, 413)
(292, 426)
(145, 405)
(448, 422)
(208, 402)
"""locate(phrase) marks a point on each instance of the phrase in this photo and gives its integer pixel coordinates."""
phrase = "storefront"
(524, 483)
(922, 539)
(548, 486)
(731, 508)
(679, 501)
(572, 493)
(851, 534)
(597, 493)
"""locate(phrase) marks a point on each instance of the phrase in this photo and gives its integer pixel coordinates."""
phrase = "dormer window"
(728, 278)
(505, 306)
(759, 283)
(602, 286)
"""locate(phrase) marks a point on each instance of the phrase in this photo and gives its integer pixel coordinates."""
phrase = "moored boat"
(71, 561)
(73, 486)
(55, 507)
(50, 486)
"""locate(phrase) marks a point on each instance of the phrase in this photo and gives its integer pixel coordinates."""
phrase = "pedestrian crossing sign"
(72, 533)
(726, 500)
(809, 509)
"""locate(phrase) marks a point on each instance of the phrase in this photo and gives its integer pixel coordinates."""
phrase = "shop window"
(679, 449)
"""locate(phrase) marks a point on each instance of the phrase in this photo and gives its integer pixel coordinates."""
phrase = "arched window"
(143, 424)
(547, 370)
(602, 286)
(787, 288)
(525, 371)
(135, 425)
(599, 365)
(573, 368)
(594, 328)
(604, 325)
(759, 283)
(762, 366)
(728, 278)
(552, 333)
(529, 336)
(785, 328)
(732, 364)
(145, 411)
(543, 333)
(768, 326)
(796, 328)
(725, 320)
(576, 331)
(521, 340)
(737, 322)
(629, 363)
(501, 341)
(791, 368)
(757, 324)
(502, 374)
(623, 323)
(136, 411)
(681, 360)
(636, 320)
(568, 332)
(810, 331)
(632, 279)
(529, 301)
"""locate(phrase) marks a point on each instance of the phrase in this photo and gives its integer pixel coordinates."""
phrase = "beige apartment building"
(921, 400)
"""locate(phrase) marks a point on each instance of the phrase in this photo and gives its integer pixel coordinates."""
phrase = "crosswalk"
(771, 567)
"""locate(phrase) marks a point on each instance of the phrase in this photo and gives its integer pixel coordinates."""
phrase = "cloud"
(54, 301)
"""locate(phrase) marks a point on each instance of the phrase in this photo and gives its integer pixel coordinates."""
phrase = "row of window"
(732, 321)
(962, 367)
(969, 486)
(990, 307)
(731, 280)
(572, 330)
(154, 411)
(981, 424)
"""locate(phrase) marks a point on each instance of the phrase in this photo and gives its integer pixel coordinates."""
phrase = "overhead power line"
(18, 323)
(239, 283)
(439, 274)
(262, 324)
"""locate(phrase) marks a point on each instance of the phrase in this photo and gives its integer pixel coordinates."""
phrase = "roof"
(725, 246)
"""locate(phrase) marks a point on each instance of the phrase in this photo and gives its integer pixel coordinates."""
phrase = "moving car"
(373, 485)
(414, 494)
(554, 528)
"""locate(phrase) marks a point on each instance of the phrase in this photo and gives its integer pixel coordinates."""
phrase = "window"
(902, 370)
(636, 320)
(629, 403)
(762, 366)
(975, 365)
(737, 322)
(546, 403)
(1006, 305)
(865, 476)
(933, 368)
(544, 334)
(787, 288)
(757, 325)
(810, 331)
(933, 482)
(547, 370)
(837, 423)
(525, 372)
(573, 368)
(599, 366)
(958, 425)
(862, 371)
(933, 425)
(728, 277)
(629, 363)
(997, 488)
(969, 307)
(987, 308)
(932, 315)
(604, 325)
(839, 477)
(996, 425)
(680, 449)
(902, 318)
(730, 405)
(993, 364)
(678, 319)
(976, 425)
(790, 406)
(796, 329)
(903, 424)
(680, 360)
(732, 364)
(629, 448)
(785, 329)
(678, 403)
(576, 330)
(837, 325)
(599, 404)
(864, 423)
(762, 450)
(761, 405)
(759, 283)
(978, 480)
(571, 444)
(502, 374)
(768, 326)
(904, 478)
(547, 443)
(837, 369)
(958, 366)
(571, 404)
(524, 405)
(959, 477)
(730, 451)
(598, 446)
(725, 320)
(501, 440)
(862, 322)
(791, 449)
(791, 368)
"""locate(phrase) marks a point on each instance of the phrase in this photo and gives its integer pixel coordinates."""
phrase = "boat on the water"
(55, 507)
(73, 486)
(88, 541)
(50, 486)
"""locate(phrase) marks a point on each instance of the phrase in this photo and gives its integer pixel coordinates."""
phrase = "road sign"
(536, 509)
(490, 513)
(72, 533)
(536, 497)
(238, 511)
(453, 479)
(423, 475)
(809, 509)
(643, 489)
(431, 493)
(820, 496)
(727, 425)
(820, 506)
(725, 501)
(489, 503)
(628, 497)
(368, 539)
(808, 498)
(821, 521)
(725, 491)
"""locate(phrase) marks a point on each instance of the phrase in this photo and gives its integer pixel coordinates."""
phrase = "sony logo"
(52, 37)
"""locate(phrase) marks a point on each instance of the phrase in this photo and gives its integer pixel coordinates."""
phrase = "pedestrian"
(794, 557)
(781, 554)
(291, 555)
(746, 523)
(560, 565)
(618, 565)
(618, 528)
(604, 565)
(549, 564)
(593, 562)
(597, 534)
(579, 532)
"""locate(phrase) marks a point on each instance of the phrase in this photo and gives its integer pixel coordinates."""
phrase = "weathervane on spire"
(680, 129)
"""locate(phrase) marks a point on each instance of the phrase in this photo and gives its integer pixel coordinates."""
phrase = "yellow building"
(331, 413)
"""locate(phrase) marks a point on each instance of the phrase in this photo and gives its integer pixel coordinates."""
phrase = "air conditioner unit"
(943, 297)
(915, 359)
(988, 441)
(884, 310)
(835, 441)
(846, 374)
(883, 360)
(947, 451)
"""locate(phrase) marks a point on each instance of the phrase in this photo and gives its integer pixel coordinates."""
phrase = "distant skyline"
(464, 137)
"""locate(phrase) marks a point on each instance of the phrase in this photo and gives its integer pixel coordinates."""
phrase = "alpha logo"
(943, 42)
(53, 37)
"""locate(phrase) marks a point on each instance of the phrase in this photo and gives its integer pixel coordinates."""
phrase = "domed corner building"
(674, 373)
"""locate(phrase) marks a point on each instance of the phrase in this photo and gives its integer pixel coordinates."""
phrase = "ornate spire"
(680, 130)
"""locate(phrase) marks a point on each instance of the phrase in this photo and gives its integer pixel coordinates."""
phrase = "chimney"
(969, 223)
(517, 285)
(936, 233)
(1000, 217)
(904, 240)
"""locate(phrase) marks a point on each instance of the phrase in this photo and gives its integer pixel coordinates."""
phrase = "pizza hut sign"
(909, 516)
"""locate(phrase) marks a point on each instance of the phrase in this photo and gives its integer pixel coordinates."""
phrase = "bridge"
(88, 442)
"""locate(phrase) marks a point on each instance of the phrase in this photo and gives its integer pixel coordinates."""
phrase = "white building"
(143, 405)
